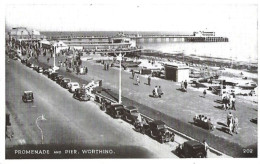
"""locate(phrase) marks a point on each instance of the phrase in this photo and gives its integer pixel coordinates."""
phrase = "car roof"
(158, 122)
(28, 92)
(193, 143)
(73, 82)
(130, 108)
(116, 105)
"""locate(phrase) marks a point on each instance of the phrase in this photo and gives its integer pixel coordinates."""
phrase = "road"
(69, 122)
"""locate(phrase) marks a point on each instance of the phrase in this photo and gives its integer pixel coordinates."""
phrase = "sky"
(237, 21)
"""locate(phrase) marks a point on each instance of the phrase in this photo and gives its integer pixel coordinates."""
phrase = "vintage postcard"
(131, 80)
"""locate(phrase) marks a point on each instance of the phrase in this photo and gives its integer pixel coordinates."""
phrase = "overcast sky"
(134, 17)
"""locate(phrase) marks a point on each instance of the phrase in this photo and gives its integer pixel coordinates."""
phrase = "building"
(23, 33)
(176, 72)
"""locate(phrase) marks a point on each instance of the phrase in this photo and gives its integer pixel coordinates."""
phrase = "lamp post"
(54, 51)
(119, 58)
(36, 122)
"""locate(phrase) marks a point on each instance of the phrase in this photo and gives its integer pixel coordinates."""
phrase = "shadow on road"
(179, 89)
(225, 130)
(222, 124)
(219, 107)
(218, 101)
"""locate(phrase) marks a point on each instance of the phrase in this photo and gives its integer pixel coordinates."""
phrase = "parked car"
(73, 86)
(38, 69)
(115, 110)
(27, 96)
(59, 78)
(54, 76)
(32, 66)
(191, 149)
(130, 114)
(200, 121)
(80, 94)
(158, 130)
(64, 82)
(24, 61)
(28, 64)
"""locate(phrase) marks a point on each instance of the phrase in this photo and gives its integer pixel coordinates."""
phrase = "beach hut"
(176, 72)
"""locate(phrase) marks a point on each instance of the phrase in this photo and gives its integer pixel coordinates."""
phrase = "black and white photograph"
(130, 80)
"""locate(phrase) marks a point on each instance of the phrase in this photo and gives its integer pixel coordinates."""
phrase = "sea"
(239, 48)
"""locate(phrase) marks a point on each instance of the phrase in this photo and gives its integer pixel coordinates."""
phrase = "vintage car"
(64, 82)
(59, 79)
(38, 69)
(81, 95)
(28, 64)
(23, 61)
(115, 110)
(73, 86)
(130, 114)
(158, 130)
(54, 76)
(191, 149)
(27, 96)
(203, 121)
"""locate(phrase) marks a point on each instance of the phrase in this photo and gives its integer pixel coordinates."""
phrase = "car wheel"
(200, 155)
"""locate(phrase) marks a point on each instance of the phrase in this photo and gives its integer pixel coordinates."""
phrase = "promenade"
(176, 108)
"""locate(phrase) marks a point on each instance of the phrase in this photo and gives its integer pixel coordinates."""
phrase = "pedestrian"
(182, 85)
(48, 59)
(160, 93)
(185, 85)
(229, 118)
(233, 100)
(235, 125)
(137, 80)
(107, 66)
(231, 126)
(206, 146)
(149, 80)
(133, 74)
(204, 93)
(155, 92)
(86, 70)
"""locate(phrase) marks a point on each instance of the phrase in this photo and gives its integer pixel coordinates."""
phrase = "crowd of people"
(228, 101)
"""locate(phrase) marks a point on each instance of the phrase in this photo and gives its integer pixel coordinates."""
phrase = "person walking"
(160, 93)
(185, 85)
(204, 93)
(48, 59)
(137, 80)
(229, 118)
(133, 74)
(235, 125)
(155, 92)
(233, 100)
(231, 126)
(149, 80)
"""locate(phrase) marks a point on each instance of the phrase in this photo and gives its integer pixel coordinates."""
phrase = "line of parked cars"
(156, 129)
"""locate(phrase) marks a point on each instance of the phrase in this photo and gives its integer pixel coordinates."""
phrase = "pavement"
(70, 124)
(177, 108)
